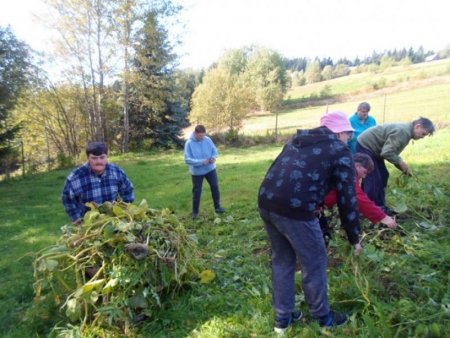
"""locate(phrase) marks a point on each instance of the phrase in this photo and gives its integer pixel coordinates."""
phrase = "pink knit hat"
(336, 121)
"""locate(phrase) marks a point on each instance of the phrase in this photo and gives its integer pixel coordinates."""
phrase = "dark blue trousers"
(290, 240)
(197, 183)
(375, 183)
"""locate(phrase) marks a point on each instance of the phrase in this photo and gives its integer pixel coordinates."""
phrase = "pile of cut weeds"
(114, 271)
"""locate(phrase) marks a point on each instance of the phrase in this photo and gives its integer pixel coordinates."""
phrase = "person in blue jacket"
(200, 153)
(360, 121)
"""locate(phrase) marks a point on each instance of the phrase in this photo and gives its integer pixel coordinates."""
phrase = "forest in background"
(117, 80)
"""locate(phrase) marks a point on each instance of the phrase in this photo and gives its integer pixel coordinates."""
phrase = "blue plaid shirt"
(83, 185)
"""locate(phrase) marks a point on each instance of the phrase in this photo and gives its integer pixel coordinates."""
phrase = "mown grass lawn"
(399, 287)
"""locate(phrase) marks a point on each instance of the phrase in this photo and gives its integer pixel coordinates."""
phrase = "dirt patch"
(390, 287)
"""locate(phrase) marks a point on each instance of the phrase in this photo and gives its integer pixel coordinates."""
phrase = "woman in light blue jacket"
(200, 153)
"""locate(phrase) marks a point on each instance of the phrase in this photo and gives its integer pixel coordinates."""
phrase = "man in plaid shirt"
(96, 181)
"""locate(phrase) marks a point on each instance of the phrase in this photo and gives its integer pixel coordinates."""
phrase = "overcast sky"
(295, 28)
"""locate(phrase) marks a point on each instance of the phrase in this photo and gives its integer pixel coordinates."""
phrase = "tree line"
(118, 81)
(416, 56)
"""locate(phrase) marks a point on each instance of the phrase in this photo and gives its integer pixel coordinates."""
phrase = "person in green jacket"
(386, 142)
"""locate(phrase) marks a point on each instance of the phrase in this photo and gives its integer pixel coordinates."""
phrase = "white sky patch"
(295, 28)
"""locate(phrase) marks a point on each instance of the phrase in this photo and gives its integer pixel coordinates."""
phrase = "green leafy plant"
(115, 269)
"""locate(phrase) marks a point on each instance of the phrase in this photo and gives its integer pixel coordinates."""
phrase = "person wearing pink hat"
(311, 164)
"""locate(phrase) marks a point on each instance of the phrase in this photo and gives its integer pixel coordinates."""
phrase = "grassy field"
(399, 287)
(399, 101)
(364, 83)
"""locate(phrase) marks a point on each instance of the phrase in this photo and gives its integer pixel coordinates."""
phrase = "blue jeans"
(293, 239)
(375, 183)
(197, 182)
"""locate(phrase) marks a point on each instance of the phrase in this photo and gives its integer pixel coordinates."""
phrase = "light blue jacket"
(359, 127)
(195, 152)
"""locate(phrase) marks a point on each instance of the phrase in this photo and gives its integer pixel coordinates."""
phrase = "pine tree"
(156, 115)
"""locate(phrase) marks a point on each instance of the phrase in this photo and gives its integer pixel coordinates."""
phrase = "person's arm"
(393, 146)
(214, 151)
(126, 189)
(404, 167)
(367, 207)
(371, 211)
(74, 208)
(345, 177)
(189, 157)
(330, 199)
(389, 221)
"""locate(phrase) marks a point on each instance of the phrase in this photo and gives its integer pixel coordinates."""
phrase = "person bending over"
(310, 165)
(386, 142)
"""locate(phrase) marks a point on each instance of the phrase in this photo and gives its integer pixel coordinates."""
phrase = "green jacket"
(387, 140)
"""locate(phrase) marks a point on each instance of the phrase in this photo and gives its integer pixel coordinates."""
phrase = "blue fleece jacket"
(359, 127)
(196, 152)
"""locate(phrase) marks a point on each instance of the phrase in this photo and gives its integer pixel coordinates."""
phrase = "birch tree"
(85, 48)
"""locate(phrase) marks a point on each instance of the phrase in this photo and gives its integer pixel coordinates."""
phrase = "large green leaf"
(110, 285)
(73, 309)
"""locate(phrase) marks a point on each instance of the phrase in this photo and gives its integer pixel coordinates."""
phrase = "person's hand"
(206, 162)
(212, 160)
(389, 221)
(358, 249)
(405, 168)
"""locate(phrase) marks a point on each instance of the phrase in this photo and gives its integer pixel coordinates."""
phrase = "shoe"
(281, 325)
(333, 319)
(220, 210)
(194, 215)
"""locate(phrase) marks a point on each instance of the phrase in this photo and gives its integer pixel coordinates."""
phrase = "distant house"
(432, 57)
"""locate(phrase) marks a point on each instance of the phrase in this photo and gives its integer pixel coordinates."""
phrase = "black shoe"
(281, 325)
(220, 210)
(194, 215)
(333, 319)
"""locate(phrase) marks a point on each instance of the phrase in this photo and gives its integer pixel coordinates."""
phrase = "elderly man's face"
(98, 163)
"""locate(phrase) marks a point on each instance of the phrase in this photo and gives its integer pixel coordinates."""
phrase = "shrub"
(241, 140)
(63, 161)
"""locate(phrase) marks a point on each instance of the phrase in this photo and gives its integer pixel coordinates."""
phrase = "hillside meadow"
(407, 94)
(398, 287)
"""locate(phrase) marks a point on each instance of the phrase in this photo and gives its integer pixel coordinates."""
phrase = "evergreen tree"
(14, 65)
(156, 114)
